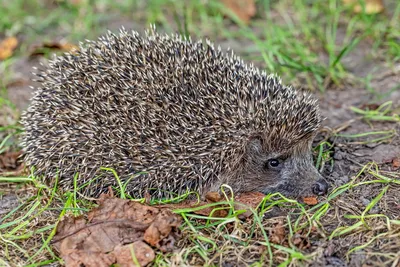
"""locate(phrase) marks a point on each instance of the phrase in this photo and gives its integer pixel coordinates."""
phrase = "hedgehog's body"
(186, 114)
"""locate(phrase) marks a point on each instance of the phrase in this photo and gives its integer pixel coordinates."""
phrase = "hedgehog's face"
(289, 171)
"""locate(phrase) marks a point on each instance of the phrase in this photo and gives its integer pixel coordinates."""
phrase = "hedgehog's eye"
(273, 163)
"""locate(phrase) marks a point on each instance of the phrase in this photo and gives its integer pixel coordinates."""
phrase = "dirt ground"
(349, 154)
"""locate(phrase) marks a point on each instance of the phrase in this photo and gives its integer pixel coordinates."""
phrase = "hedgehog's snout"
(320, 187)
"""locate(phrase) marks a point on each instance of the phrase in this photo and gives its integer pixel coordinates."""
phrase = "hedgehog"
(168, 116)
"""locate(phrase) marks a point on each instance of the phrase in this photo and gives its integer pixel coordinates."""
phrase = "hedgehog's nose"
(320, 187)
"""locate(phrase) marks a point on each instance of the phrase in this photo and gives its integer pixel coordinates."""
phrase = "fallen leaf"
(396, 163)
(41, 49)
(9, 160)
(371, 6)
(213, 196)
(17, 82)
(7, 47)
(369, 106)
(160, 228)
(10, 42)
(219, 211)
(69, 47)
(252, 199)
(310, 200)
(277, 233)
(115, 230)
(5, 53)
(144, 254)
(243, 9)
(11, 164)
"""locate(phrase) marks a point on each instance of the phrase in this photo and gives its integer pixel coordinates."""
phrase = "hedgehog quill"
(185, 115)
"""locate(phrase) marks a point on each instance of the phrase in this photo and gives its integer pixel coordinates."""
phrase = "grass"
(206, 237)
(382, 113)
(314, 51)
(310, 44)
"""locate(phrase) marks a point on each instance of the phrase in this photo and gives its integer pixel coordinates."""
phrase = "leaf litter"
(11, 163)
(119, 231)
(128, 233)
(7, 47)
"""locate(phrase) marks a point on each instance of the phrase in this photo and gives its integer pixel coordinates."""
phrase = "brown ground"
(349, 158)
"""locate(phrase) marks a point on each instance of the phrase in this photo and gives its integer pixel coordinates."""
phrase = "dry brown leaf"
(104, 238)
(371, 6)
(213, 197)
(277, 234)
(39, 50)
(7, 47)
(246, 200)
(10, 43)
(11, 164)
(369, 106)
(159, 229)
(69, 47)
(5, 53)
(215, 211)
(244, 9)
(9, 161)
(17, 83)
(310, 200)
(251, 199)
(396, 163)
(243, 201)
(143, 252)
